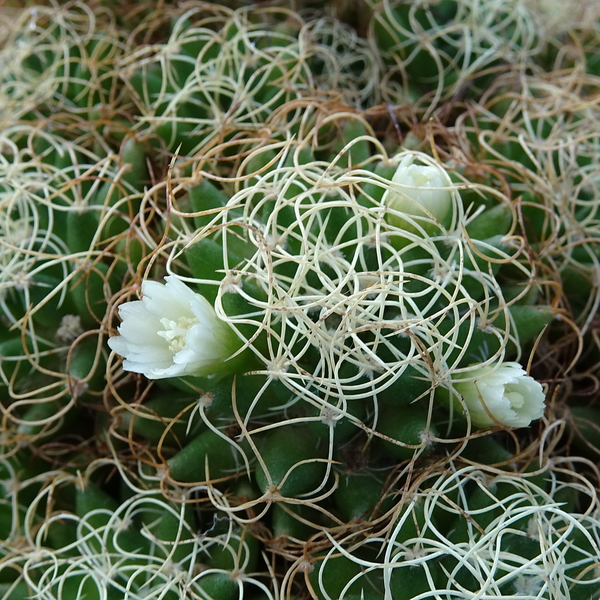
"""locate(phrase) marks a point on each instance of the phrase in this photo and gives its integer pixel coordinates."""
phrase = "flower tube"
(502, 394)
(171, 332)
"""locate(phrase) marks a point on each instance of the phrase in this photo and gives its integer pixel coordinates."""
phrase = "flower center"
(515, 398)
(175, 331)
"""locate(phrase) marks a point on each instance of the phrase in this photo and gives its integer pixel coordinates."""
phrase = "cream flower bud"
(502, 394)
(418, 187)
(172, 331)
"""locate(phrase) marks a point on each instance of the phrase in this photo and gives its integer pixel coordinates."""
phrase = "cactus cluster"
(299, 306)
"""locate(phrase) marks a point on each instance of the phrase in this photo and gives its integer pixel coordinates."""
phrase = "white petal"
(148, 354)
(177, 286)
(170, 371)
(214, 343)
(134, 367)
(139, 331)
(143, 367)
(167, 300)
(118, 345)
(154, 371)
(136, 309)
(188, 356)
(204, 311)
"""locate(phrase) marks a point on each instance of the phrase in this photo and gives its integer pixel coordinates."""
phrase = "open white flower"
(172, 331)
(502, 394)
(417, 187)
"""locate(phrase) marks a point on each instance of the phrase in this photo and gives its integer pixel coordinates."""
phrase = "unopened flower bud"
(501, 394)
(419, 191)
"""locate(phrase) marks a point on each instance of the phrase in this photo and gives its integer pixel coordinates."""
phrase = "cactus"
(297, 305)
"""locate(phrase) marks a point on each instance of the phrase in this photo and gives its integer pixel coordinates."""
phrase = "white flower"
(417, 187)
(172, 331)
(502, 394)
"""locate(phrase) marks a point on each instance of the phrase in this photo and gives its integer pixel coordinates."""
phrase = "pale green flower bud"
(172, 331)
(501, 394)
(417, 190)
